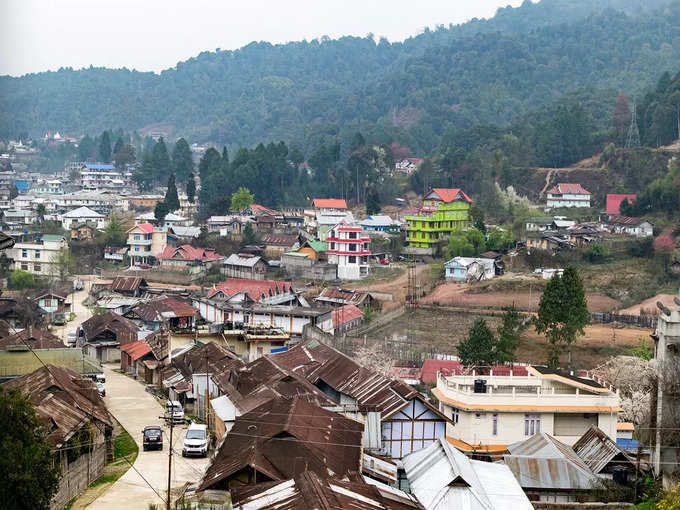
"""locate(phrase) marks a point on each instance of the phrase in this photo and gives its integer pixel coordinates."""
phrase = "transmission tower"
(411, 299)
(633, 138)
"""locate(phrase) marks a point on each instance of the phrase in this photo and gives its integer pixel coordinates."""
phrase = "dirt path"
(135, 408)
(397, 286)
(649, 305)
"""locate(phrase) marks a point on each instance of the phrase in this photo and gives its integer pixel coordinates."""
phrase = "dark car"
(152, 438)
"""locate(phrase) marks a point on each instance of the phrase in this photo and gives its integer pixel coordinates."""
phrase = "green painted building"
(444, 211)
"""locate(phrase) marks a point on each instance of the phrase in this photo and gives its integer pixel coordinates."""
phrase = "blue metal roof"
(627, 444)
(99, 166)
(21, 184)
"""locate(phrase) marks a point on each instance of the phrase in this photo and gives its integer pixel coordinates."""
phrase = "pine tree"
(171, 198)
(118, 145)
(182, 160)
(478, 348)
(191, 188)
(160, 212)
(562, 313)
(160, 160)
(372, 202)
(105, 147)
(508, 336)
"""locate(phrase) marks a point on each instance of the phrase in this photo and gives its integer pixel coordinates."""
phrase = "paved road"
(82, 313)
(135, 408)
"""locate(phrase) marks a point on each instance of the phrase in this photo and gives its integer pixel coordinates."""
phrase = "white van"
(174, 411)
(196, 441)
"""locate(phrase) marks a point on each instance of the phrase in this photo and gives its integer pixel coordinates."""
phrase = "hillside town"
(239, 330)
(433, 267)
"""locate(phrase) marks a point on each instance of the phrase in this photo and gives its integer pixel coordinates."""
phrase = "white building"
(52, 186)
(492, 411)
(469, 269)
(98, 176)
(349, 248)
(568, 195)
(82, 215)
(637, 227)
(171, 220)
(38, 257)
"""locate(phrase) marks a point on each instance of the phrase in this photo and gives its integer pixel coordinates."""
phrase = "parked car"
(174, 411)
(196, 441)
(152, 438)
(101, 388)
(71, 339)
(59, 319)
(144, 266)
(385, 262)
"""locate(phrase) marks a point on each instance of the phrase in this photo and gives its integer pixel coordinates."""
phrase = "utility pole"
(172, 423)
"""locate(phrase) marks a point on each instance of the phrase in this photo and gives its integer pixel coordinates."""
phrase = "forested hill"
(482, 72)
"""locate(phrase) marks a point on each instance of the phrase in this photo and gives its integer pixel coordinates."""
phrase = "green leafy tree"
(476, 239)
(562, 313)
(62, 264)
(171, 197)
(20, 280)
(372, 202)
(478, 349)
(118, 145)
(500, 239)
(182, 160)
(5, 265)
(249, 236)
(105, 147)
(30, 477)
(508, 336)
(191, 188)
(241, 199)
(114, 234)
(596, 254)
(160, 212)
(41, 211)
(477, 217)
(459, 246)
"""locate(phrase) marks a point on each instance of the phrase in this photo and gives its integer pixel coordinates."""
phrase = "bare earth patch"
(648, 306)
(456, 294)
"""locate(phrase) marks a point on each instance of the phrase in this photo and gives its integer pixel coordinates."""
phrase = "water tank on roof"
(480, 386)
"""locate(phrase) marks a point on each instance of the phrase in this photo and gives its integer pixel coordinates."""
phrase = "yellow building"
(444, 211)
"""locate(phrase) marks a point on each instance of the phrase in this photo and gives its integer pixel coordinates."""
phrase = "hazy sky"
(151, 35)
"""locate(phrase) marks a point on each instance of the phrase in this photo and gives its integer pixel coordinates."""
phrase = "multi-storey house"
(568, 195)
(510, 404)
(38, 256)
(444, 211)
(349, 248)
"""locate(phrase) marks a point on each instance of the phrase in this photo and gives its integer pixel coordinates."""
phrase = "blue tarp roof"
(627, 444)
(21, 184)
(99, 166)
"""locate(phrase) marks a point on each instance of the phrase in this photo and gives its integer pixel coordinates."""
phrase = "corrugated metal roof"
(159, 310)
(62, 397)
(36, 338)
(242, 260)
(442, 478)
(136, 349)
(127, 283)
(124, 330)
(270, 438)
(597, 450)
(549, 473)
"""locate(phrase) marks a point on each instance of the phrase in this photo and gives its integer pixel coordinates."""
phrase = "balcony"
(140, 253)
(139, 242)
(520, 391)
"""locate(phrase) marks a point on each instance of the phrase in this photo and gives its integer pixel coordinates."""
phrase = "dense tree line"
(415, 92)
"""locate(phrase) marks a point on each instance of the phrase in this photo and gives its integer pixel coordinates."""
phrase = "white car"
(101, 388)
(196, 441)
(174, 411)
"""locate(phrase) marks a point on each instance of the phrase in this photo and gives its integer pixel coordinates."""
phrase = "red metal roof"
(136, 349)
(260, 209)
(253, 288)
(345, 314)
(614, 201)
(146, 227)
(450, 194)
(569, 188)
(334, 203)
(188, 252)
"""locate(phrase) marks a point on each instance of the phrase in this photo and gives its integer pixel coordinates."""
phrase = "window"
(136, 248)
(136, 237)
(36, 268)
(352, 259)
(494, 425)
(332, 246)
(532, 424)
(352, 235)
(455, 414)
(24, 253)
(24, 267)
(37, 254)
(47, 302)
(352, 247)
